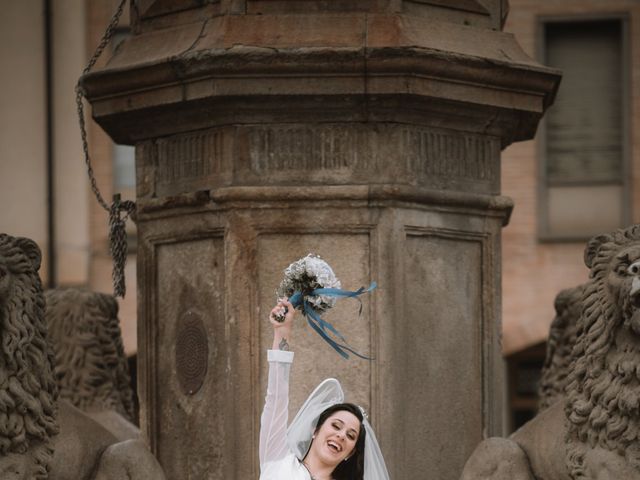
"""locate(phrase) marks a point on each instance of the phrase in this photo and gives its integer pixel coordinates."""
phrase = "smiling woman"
(338, 443)
(327, 440)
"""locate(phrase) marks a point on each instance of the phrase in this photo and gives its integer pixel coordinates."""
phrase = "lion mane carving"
(43, 437)
(28, 392)
(90, 364)
(562, 339)
(603, 390)
(593, 432)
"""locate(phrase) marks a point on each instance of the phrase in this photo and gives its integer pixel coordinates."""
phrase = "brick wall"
(534, 272)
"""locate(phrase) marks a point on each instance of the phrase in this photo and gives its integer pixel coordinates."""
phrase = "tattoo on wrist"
(283, 345)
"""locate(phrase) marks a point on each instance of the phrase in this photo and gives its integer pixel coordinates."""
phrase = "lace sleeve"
(273, 423)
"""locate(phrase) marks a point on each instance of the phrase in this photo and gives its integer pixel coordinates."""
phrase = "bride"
(327, 440)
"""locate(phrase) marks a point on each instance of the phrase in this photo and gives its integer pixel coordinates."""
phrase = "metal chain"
(117, 230)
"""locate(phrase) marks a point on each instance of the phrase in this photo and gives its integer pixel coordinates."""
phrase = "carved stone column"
(366, 131)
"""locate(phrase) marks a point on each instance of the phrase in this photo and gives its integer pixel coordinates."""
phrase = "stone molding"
(194, 157)
(422, 152)
(318, 154)
(155, 14)
(244, 68)
(342, 196)
(148, 350)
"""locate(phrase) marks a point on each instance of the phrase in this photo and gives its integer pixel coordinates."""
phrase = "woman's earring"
(313, 437)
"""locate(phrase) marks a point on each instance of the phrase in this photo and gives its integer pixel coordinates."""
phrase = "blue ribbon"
(321, 326)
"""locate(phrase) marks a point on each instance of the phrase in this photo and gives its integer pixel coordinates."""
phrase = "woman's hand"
(282, 330)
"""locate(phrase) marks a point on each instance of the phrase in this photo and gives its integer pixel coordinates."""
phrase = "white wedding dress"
(282, 449)
(277, 461)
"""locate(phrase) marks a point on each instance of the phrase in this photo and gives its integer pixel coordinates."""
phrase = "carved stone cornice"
(155, 14)
(347, 67)
(338, 196)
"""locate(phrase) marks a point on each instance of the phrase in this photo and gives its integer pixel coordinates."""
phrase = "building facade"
(578, 177)
(43, 179)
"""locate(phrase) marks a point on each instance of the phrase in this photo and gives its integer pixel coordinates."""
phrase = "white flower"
(306, 275)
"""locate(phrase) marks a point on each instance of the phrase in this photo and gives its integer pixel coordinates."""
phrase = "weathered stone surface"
(355, 67)
(153, 14)
(90, 366)
(312, 154)
(410, 330)
(347, 251)
(185, 416)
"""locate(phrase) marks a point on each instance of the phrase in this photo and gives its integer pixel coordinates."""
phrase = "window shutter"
(584, 126)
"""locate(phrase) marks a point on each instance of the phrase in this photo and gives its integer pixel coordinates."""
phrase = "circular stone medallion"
(192, 352)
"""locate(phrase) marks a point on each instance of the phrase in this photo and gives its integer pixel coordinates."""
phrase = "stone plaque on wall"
(188, 161)
(348, 255)
(409, 154)
(320, 153)
(443, 312)
(191, 342)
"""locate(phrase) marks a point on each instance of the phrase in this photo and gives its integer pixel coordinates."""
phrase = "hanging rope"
(118, 241)
(119, 210)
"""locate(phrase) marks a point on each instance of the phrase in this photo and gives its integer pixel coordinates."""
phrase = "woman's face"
(336, 438)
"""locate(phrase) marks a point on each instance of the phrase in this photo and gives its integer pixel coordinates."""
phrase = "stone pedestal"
(368, 132)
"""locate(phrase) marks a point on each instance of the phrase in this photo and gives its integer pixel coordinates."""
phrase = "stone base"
(431, 325)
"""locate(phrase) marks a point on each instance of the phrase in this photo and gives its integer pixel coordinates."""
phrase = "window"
(584, 175)
(124, 171)
(124, 162)
(524, 371)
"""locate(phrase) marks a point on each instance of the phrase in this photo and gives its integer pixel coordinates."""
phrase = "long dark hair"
(353, 467)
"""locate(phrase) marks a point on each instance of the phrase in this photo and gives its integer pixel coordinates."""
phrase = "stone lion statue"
(28, 408)
(91, 368)
(562, 339)
(41, 436)
(593, 432)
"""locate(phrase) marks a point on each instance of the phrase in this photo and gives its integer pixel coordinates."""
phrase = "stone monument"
(368, 132)
(592, 431)
(91, 368)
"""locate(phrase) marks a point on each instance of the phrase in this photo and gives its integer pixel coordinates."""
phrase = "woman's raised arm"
(273, 423)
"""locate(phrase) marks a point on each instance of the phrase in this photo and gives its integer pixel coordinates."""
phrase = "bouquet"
(312, 287)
